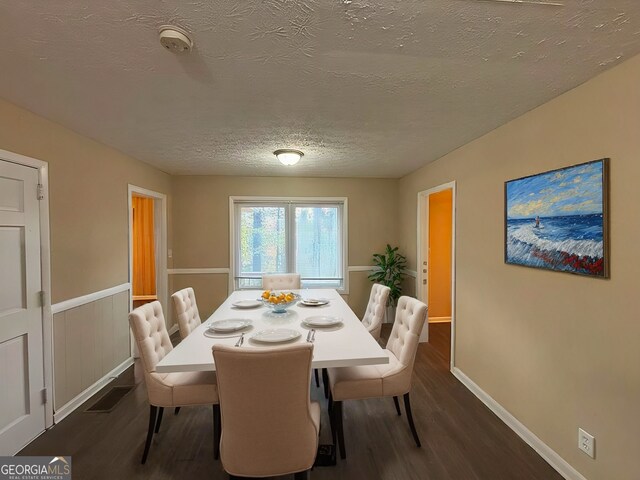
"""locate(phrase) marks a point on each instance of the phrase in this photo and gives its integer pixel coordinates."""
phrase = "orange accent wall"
(439, 281)
(144, 264)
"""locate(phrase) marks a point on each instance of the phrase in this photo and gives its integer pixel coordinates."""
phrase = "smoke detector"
(175, 39)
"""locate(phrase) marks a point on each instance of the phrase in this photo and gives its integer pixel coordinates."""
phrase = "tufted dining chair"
(384, 380)
(184, 302)
(372, 320)
(281, 281)
(374, 314)
(269, 425)
(169, 389)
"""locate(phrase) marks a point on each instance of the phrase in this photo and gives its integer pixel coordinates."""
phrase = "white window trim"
(309, 200)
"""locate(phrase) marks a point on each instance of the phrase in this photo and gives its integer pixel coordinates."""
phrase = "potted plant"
(390, 267)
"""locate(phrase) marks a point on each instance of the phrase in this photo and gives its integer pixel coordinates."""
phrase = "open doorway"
(143, 283)
(147, 247)
(436, 266)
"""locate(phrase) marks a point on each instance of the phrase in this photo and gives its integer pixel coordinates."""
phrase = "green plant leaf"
(391, 265)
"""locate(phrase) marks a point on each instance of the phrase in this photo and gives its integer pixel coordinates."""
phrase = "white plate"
(229, 325)
(322, 321)
(276, 335)
(314, 302)
(247, 304)
(214, 334)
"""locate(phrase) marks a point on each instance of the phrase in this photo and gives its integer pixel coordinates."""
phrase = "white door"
(22, 409)
(423, 268)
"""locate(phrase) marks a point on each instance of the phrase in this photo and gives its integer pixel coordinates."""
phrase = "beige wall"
(88, 200)
(201, 225)
(89, 242)
(558, 351)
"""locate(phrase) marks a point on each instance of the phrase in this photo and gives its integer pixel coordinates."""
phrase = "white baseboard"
(551, 457)
(439, 319)
(82, 397)
(174, 329)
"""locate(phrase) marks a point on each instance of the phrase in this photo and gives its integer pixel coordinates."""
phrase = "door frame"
(423, 198)
(45, 273)
(160, 232)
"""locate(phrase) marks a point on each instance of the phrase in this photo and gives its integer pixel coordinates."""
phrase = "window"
(301, 235)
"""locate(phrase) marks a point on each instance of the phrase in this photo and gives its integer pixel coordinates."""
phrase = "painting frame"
(537, 256)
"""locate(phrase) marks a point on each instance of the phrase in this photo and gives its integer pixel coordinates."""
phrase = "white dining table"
(347, 344)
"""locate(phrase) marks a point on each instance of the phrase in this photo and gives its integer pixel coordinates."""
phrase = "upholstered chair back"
(411, 315)
(152, 338)
(374, 315)
(281, 281)
(267, 425)
(184, 302)
(150, 332)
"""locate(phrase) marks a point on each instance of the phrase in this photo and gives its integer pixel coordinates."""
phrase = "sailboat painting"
(557, 220)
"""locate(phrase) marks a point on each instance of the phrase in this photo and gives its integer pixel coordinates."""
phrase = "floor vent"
(109, 400)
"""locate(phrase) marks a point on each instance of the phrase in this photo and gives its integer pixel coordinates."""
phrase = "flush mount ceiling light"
(288, 156)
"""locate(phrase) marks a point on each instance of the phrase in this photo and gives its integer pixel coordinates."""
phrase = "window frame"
(234, 224)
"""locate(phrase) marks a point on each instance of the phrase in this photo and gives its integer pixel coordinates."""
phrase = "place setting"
(314, 302)
(228, 328)
(275, 335)
(246, 304)
(325, 322)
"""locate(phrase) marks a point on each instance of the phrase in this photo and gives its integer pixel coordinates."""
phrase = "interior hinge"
(40, 191)
(44, 396)
(41, 297)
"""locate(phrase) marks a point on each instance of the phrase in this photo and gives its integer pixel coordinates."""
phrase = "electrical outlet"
(587, 443)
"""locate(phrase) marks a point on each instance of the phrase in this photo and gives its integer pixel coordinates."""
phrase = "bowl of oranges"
(278, 302)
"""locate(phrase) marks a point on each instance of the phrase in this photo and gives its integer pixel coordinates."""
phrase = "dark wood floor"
(461, 438)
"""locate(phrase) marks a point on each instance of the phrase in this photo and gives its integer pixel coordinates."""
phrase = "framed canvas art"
(558, 220)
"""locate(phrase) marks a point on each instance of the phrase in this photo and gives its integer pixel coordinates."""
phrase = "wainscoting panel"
(90, 341)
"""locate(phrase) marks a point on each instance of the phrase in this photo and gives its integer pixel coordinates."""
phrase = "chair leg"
(176, 411)
(317, 375)
(332, 422)
(325, 382)
(301, 475)
(330, 404)
(407, 408)
(159, 421)
(397, 403)
(153, 411)
(339, 431)
(217, 430)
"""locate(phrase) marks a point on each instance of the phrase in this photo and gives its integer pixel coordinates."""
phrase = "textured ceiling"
(365, 88)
